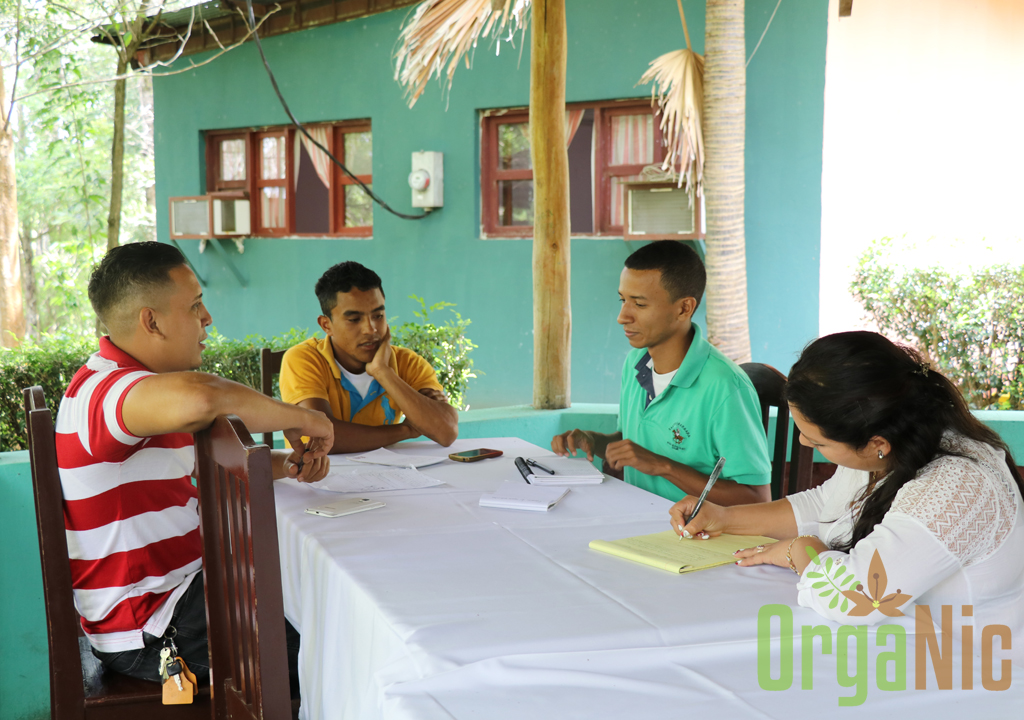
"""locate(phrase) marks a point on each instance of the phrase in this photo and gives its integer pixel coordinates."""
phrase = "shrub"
(968, 322)
(239, 360)
(445, 347)
(54, 360)
(51, 362)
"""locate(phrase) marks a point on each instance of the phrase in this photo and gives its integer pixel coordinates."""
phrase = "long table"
(434, 607)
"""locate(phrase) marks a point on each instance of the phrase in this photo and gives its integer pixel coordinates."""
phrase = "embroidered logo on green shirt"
(679, 435)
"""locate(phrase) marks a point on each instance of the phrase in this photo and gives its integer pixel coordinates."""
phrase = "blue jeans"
(188, 629)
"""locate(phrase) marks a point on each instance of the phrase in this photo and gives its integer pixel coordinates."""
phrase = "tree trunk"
(552, 312)
(28, 286)
(12, 315)
(117, 156)
(725, 90)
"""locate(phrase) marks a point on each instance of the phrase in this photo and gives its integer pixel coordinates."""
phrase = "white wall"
(924, 132)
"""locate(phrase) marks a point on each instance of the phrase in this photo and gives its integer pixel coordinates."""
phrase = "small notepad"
(519, 496)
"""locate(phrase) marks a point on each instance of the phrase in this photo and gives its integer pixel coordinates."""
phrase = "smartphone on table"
(345, 507)
(474, 455)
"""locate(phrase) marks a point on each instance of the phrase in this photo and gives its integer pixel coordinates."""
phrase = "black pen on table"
(523, 469)
(534, 463)
(707, 488)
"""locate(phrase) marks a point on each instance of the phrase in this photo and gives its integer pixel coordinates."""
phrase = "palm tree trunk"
(725, 90)
(552, 313)
(12, 315)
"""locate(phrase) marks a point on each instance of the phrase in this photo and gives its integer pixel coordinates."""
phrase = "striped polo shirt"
(130, 509)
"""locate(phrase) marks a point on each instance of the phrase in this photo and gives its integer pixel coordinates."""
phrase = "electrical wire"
(296, 123)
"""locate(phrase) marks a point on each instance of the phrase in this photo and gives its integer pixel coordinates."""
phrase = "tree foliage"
(967, 321)
(63, 137)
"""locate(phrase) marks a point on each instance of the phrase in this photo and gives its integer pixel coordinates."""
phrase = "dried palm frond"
(679, 91)
(442, 32)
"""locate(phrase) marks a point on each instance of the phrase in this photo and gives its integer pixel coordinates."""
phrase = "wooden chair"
(80, 688)
(270, 365)
(769, 384)
(244, 605)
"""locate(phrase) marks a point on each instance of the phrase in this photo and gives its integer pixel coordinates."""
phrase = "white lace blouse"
(954, 535)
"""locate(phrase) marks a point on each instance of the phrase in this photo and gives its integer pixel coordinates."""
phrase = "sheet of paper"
(383, 456)
(351, 479)
(666, 551)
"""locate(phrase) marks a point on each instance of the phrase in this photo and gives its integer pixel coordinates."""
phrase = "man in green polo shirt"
(682, 403)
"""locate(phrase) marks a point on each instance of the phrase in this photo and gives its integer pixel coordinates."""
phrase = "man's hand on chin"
(382, 358)
(626, 453)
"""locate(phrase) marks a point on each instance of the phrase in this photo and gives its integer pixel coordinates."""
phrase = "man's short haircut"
(124, 280)
(341, 278)
(682, 272)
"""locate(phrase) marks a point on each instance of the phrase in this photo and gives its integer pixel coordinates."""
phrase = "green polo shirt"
(709, 410)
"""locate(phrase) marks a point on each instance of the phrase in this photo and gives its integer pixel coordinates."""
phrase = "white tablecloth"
(434, 607)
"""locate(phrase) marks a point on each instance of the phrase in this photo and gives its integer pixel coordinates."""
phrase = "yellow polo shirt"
(309, 370)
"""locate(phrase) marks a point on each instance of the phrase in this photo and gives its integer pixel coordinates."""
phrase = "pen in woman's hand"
(707, 488)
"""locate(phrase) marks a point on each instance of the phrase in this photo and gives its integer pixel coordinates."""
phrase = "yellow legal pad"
(666, 551)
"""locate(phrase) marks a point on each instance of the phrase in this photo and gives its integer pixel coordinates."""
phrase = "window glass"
(632, 140)
(359, 153)
(272, 206)
(273, 154)
(358, 206)
(618, 199)
(515, 202)
(232, 159)
(514, 146)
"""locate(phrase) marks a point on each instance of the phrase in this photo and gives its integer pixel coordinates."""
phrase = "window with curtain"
(292, 185)
(608, 144)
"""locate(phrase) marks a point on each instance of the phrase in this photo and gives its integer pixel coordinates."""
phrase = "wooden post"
(552, 313)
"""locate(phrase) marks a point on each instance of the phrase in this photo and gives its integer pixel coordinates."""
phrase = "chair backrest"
(79, 686)
(270, 365)
(62, 625)
(245, 609)
(769, 384)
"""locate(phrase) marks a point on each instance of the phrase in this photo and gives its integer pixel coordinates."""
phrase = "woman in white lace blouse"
(925, 507)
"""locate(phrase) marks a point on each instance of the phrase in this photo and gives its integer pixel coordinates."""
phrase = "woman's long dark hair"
(858, 385)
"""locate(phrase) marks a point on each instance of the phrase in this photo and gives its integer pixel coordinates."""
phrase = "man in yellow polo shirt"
(375, 393)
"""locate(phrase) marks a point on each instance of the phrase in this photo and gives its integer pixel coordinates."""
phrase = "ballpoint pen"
(707, 488)
(534, 463)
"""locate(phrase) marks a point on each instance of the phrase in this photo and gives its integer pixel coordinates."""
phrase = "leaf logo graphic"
(865, 599)
(833, 583)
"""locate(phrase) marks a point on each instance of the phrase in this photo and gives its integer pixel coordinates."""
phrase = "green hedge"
(54, 360)
(968, 322)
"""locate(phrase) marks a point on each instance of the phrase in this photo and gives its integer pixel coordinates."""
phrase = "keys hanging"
(179, 687)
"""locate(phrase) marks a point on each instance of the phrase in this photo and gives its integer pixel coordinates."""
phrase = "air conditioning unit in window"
(661, 211)
(230, 214)
(220, 214)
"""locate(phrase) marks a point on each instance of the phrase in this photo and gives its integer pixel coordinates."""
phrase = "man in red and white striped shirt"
(126, 457)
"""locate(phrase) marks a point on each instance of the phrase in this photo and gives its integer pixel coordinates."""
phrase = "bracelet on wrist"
(789, 551)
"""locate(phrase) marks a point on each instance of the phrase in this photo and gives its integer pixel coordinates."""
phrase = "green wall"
(24, 666)
(344, 71)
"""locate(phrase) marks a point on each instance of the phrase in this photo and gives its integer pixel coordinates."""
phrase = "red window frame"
(339, 181)
(254, 183)
(603, 171)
